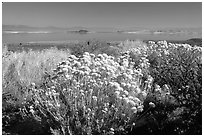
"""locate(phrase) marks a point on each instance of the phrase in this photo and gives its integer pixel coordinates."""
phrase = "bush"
(179, 66)
(152, 88)
(92, 95)
(19, 70)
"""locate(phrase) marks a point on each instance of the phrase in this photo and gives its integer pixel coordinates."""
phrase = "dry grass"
(22, 69)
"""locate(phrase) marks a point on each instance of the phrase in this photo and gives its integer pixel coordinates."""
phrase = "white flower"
(121, 68)
(130, 71)
(86, 53)
(50, 104)
(132, 103)
(73, 57)
(128, 85)
(151, 104)
(125, 63)
(65, 69)
(116, 85)
(117, 93)
(106, 109)
(111, 129)
(137, 100)
(157, 88)
(140, 108)
(126, 100)
(77, 64)
(92, 55)
(31, 111)
(57, 105)
(134, 109)
(36, 102)
(94, 98)
(89, 110)
(52, 87)
(123, 84)
(137, 90)
(123, 96)
(125, 92)
(33, 84)
(100, 56)
(97, 63)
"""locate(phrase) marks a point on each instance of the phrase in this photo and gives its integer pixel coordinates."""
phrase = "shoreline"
(41, 45)
(62, 42)
(107, 41)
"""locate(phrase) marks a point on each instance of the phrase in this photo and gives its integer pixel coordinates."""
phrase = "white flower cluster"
(104, 80)
(164, 49)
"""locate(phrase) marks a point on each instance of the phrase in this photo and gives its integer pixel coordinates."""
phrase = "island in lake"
(82, 31)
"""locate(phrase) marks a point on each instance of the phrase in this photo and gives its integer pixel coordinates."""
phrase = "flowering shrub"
(152, 88)
(94, 95)
(176, 67)
(180, 67)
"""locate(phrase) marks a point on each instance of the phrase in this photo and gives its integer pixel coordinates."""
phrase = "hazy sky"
(103, 14)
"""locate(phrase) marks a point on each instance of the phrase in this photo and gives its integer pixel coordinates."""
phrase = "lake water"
(42, 37)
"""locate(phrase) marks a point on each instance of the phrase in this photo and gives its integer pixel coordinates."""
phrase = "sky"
(117, 15)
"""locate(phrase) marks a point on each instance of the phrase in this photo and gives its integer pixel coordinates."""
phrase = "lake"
(16, 37)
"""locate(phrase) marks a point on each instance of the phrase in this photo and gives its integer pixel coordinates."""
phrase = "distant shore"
(40, 45)
(189, 41)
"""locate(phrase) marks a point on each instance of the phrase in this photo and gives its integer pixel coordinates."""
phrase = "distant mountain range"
(29, 28)
(52, 28)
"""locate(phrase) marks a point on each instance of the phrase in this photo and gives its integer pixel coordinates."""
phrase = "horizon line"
(98, 26)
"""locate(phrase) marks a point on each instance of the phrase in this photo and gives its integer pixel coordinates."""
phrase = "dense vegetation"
(103, 88)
